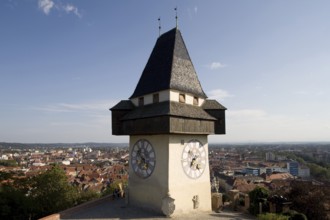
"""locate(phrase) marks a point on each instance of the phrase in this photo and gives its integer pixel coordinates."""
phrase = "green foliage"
(257, 196)
(13, 203)
(298, 216)
(295, 157)
(291, 215)
(8, 163)
(319, 172)
(241, 201)
(86, 196)
(5, 176)
(308, 199)
(109, 190)
(42, 195)
(114, 186)
(272, 216)
(51, 192)
(294, 215)
(223, 187)
(225, 198)
(311, 159)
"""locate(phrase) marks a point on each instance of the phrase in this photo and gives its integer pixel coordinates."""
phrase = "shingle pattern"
(168, 109)
(212, 104)
(169, 67)
(123, 105)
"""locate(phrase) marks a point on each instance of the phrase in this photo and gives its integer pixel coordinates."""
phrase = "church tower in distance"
(168, 118)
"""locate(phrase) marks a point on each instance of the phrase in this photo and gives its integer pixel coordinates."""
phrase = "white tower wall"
(168, 176)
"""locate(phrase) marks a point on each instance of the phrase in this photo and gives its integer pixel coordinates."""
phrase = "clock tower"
(168, 118)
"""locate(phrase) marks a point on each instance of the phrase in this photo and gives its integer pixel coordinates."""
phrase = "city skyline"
(63, 64)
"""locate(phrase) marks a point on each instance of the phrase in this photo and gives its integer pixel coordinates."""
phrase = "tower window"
(195, 101)
(182, 98)
(155, 98)
(141, 101)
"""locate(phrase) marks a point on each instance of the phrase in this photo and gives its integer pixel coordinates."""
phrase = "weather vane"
(176, 16)
(160, 27)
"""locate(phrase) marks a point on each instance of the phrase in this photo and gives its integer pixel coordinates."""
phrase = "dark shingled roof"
(123, 105)
(169, 67)
(213, 104)
(168, 109)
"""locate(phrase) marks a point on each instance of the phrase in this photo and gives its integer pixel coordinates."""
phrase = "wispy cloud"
(260, 125)
(300, 92)
(71, 9)
(195, 9)
(11, 4)
(219, 94)
(310, 92)
(46, 6)
(192, 11)
(216, 65)
(247, 113)
(95, 106)
(68, 123)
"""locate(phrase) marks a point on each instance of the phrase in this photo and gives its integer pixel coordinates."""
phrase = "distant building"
(270, 156)
(293, 167)
(252, 171)
(270, 170)
(304, 172)
(4, 157)
(38, 164)
(66, 162)
(279, 176)
(278, 157)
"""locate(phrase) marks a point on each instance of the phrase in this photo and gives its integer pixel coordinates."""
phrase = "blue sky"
(63, 64)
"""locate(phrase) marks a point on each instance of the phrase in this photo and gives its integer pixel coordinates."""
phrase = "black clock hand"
(138, 153)
(193, 161)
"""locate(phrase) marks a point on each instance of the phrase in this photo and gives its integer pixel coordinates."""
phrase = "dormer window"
(141, 101)
(155, 98)
(182, 98)
(195, 102)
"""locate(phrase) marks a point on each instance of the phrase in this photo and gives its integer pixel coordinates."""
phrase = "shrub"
(272, 216)
(225, 198)
(294, 215)
(257, 196)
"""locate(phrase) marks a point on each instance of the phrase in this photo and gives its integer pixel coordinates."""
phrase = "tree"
(8, 163)
(85, 196)
(257, 196)
(14, 204)
(5, 176)
(308, 199)
(273, 216)
(39, 196)
(114, 187)
(8, 201)
(51, 192)
(320, 173)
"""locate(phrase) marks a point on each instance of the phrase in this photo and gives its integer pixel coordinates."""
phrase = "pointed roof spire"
(169, 67)
(176, 17)
(159, 27)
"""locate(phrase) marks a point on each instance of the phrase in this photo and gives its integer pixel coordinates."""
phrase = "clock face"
(143, 158)
(194, 159)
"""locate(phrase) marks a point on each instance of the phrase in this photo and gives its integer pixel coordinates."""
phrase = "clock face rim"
(147, 158)
(194, 163)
